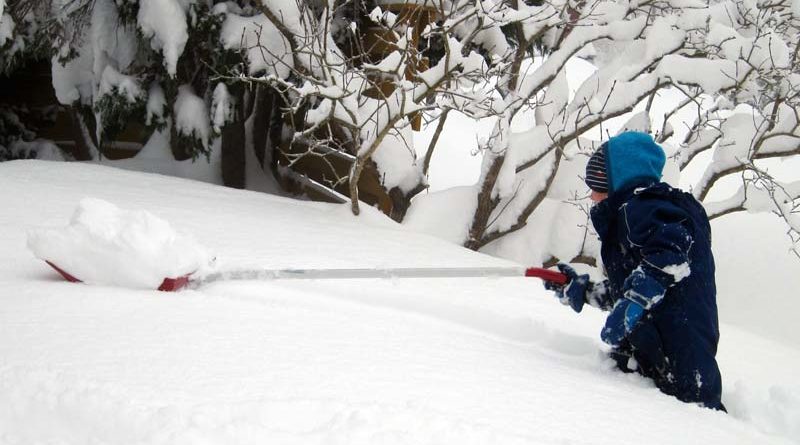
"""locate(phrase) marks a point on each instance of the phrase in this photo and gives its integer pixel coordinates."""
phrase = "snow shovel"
(175, 284)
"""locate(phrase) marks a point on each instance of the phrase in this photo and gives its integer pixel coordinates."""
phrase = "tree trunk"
(486, 205)
(233, 155)
(275, 126)
(85, 145)
(401, 201)
(262, 111)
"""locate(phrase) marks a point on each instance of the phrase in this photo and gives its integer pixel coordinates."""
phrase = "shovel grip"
(547, 275)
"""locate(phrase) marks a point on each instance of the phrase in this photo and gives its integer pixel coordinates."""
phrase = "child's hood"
(633, 158)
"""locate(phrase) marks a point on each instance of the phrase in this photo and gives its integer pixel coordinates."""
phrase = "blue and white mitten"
(622, 320)
(641, 292)
(572, 294)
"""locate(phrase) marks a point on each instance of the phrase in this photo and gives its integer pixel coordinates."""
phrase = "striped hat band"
(596, 177)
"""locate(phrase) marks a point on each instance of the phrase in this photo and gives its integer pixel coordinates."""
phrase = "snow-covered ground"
(381, 361)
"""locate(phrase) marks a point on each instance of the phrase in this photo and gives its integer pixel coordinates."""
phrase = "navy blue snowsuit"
(656, 246)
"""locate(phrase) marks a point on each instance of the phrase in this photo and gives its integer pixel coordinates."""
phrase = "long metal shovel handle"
(402, 272)
(357, 273)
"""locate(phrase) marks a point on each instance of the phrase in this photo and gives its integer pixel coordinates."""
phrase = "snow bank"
(106, 245)
(330, 361)
(455, 205)
(43, 149)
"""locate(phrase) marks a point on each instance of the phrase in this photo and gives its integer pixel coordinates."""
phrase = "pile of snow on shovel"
(106, 245)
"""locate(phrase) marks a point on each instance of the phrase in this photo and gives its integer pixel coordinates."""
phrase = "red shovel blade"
(64, 274)
(547, 275)
(168, 285)
(174, 284)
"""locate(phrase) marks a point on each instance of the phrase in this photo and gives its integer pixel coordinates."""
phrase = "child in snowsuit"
(660, 291)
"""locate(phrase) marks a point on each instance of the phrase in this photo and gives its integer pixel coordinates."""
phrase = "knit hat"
(596, 176)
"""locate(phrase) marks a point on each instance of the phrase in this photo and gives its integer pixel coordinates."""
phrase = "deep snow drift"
(453, 361)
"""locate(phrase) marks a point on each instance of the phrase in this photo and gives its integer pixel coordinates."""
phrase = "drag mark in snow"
(55, 408)
(522, 330)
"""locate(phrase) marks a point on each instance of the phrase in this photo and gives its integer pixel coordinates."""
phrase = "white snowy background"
(388, 361)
